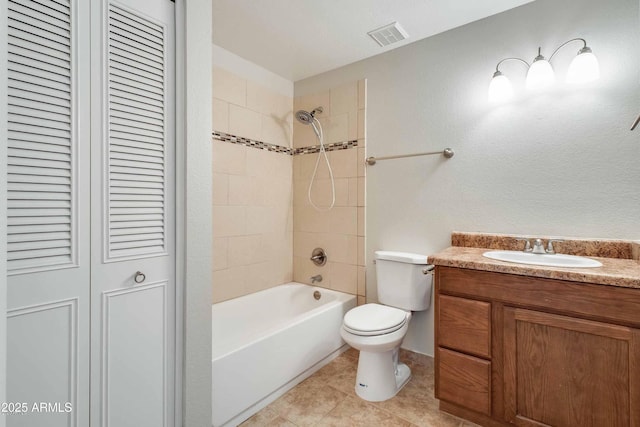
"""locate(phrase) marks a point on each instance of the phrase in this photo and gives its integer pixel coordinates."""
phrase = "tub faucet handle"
(319, 257)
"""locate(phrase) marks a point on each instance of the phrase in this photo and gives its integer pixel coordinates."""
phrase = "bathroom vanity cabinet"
(530, 351)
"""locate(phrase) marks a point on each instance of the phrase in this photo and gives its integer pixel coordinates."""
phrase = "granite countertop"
(615, 271)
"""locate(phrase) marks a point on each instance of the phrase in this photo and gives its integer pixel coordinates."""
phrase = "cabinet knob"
(139, 277)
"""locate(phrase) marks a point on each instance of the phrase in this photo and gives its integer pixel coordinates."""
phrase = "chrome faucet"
(527, 244)
(316, 278)
(538, 246)
(550, 250)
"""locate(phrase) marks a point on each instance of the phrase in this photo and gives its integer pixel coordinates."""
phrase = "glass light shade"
(584, 68)
(500, 89)
(540, 75)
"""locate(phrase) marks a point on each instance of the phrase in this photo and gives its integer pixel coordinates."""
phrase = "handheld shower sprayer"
(308, 118)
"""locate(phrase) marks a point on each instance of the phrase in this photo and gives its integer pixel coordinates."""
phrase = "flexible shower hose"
(317, 128)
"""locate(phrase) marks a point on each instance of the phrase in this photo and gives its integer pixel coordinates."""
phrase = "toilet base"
(380, 376)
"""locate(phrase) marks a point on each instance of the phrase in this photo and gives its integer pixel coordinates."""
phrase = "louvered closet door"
(133, 322)
(48, 210)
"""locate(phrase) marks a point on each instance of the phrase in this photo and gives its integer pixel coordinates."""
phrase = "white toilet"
(404, 285)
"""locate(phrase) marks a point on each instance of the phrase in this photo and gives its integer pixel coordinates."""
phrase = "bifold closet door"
(133, 237)
(48, 213)
(91, 222)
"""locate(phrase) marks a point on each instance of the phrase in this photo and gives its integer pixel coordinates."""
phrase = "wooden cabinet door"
(562, 371)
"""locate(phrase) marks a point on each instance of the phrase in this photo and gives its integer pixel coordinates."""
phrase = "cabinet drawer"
(465, 325)
(464, 380)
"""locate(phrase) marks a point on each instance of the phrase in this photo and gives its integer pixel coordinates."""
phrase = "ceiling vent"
(388, 34)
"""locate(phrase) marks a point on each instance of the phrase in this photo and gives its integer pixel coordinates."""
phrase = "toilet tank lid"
(405, 257)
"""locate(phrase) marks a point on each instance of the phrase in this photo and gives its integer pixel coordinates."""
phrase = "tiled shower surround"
(340, 231)
(264, 227)
(252, 188)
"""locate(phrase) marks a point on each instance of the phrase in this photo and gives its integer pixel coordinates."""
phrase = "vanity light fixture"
(540, 75)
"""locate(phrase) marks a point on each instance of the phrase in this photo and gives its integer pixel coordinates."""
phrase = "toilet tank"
(401, 280)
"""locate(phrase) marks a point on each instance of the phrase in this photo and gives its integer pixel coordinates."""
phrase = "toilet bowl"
(377, 330)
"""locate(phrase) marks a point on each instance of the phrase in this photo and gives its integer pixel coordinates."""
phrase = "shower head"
(306, 117)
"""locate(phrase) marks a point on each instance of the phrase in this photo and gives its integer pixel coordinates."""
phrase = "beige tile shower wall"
(252, 189)
(341, 230)
(244, 108)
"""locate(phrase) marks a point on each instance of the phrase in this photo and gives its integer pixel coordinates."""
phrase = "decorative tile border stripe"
(233, 139)
(328, 147)
(225, 137)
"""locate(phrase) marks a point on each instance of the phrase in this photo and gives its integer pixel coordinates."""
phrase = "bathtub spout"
(316, 278)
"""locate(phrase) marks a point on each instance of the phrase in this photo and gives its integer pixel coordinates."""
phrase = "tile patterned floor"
(327, 398)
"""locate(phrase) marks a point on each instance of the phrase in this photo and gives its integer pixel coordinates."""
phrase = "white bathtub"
(267, 342)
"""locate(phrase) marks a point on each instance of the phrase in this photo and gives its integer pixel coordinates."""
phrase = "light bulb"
(540, 74)
(500, 89)
(584, 68)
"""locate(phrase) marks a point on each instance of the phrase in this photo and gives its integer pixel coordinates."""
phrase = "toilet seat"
(374, 319)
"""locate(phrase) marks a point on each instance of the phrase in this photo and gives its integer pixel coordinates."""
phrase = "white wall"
(194, 51)
(562, 163)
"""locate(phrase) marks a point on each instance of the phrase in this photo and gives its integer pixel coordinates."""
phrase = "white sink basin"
(555, 260)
